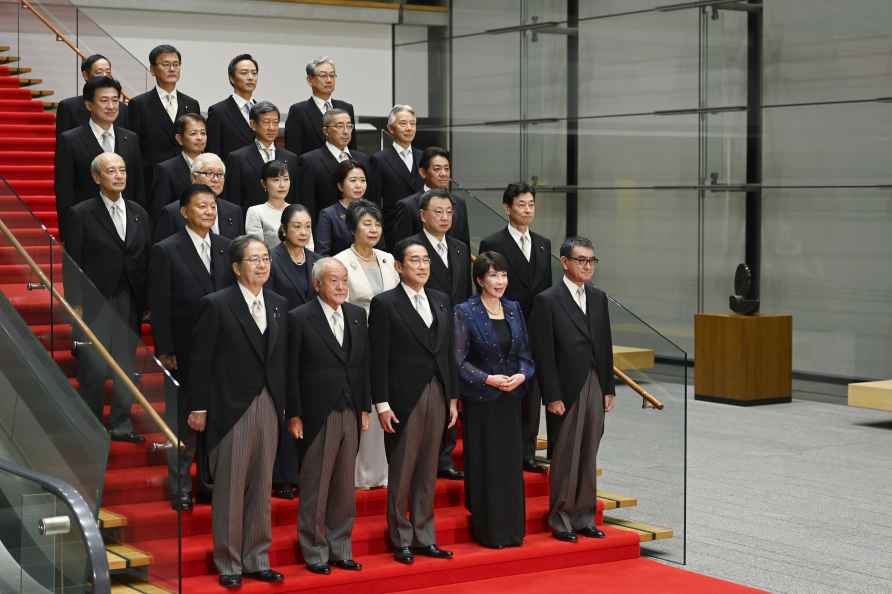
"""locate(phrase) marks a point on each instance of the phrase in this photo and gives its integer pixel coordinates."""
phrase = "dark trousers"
(179, 462)
(115, 322)
(412, 472)
(444, 461)
(572, 478)
(530, 410)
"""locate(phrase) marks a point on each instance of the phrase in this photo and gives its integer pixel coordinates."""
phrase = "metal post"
(572, 216)
(753, 228)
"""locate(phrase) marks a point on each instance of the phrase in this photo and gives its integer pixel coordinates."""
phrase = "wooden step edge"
(619, 500)
(49, 105)
(110, 519)
(115, 562)
(646, 532)
(5, 48)
(18, 70)
(8, 59)
(28, 82)
(133, 556)
(137, 585)
(123, 589)
(37, 94)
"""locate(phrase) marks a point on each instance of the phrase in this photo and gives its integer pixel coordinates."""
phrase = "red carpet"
(135, 478)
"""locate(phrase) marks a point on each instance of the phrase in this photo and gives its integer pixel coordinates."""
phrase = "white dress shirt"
(267, 153)
(336, 152)
(320, 103)
(98, 132)
(405, 154)
(329, 316)
(250, 298)
(444, 255)
(382, 407)
(517, 236)
(575, 293)
(241, 103)
(198, 241)
(120, 203)
(188, 160)
(170, 105)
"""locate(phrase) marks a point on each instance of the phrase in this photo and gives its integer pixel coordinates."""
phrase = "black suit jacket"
(406, 221)
(317, 187)
(92, 242)
(525, 279)
(303, 128)
(283, 276)
(406, 354)
(75, 151)
(393, 182)
(455, 281)
(177, 282)
(568, 344)
(322, 372)
(243, 168)
(231, 221)
(227, 128)
(71, 113)
(157, 139)
(232, 362)
(170, 179)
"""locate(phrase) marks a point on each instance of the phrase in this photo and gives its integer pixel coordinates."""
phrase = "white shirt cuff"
(199, 411)
(382, 407)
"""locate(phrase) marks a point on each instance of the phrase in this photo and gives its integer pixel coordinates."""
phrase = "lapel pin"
(356, 322)
(136, 218)
(276, 312)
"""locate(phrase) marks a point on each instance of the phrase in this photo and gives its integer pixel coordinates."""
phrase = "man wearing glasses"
(317, 187)
(153, 114)
(208, 169)
(303, 128)
(236, 395)
(573, 349)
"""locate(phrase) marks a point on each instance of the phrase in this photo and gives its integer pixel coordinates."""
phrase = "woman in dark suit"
(292, 261)
(494, 367)
(291, 276)
(333, 236)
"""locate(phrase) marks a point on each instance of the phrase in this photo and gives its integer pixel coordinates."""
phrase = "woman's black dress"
(493, 454)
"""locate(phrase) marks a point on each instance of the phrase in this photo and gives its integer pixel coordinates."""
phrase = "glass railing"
(643, 453)
(49, 540)
(46, 287)
(29, 26)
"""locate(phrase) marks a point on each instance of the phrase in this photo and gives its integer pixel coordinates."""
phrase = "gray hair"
(262, 107)
(322, 264)
(312, 64)
(391, 117)
(331, 114)
(96, 164)
(205, 159)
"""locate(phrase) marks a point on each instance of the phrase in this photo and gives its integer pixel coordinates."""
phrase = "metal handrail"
(60, 36)
(82, 514)
(120, 374)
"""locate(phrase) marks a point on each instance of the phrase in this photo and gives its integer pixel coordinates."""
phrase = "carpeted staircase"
(140, 528)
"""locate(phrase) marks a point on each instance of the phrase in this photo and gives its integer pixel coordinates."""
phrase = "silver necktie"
(108, 143)
(327, 106)
(259, 315)
(444, 253)
(206, 255)
(580, 298)
(525, 247)
(118, 220)
(423, 311)
(171, 110)
(344, 156)
(338, 327)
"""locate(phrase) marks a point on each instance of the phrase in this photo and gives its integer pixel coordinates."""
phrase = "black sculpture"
(742, 301)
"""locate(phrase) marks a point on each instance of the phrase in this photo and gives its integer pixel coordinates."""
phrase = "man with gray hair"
(317, 187)
(328, 404)
(303, 128)
(208, 169)
(395, 168)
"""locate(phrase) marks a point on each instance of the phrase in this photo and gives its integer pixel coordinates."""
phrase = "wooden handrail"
(60, 36)
(647, 396)
(100, 348)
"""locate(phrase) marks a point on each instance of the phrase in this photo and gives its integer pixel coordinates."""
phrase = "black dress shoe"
(230, 580)
(564, 536)
(320, 568)
(451, 474)
(348, 564)
(403, 555)
(530, 465)
(283, 492)
(181, 502)
(266, 575)
(591, 532)
(128, 437)
(433, 551)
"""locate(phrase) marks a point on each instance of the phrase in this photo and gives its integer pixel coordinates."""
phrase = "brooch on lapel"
(275, 312)
(220, 251)
(229, 220)
(541, 248)
(458, 251)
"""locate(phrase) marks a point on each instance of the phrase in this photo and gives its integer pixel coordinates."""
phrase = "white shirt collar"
(249, 296)
(98, 131)
(402, 151)
(427, 188)
(188, 161)
(516, 234)
(328, 311)
(241, 102)
(197, 240)
(162, 94)
(109, 204)
(263, 147)
(336, 152)
(320, 103)
(434, 241)
(572, 287)
(412, 292)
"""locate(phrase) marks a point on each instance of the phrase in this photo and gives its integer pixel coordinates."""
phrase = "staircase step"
(29, 143)
(27, 172)
(8, 59)
(21, 105)
(875, 395)
(26, 158)
(109, 519)
(68, 362)
(646, 532)
(39, 128)
(19, 92)
(61, 336)
(11, 82)
(618, 501)
(132, 556)
(9, 118)
(14, 70)
(33, 187)
(129, 585)
(27, 82)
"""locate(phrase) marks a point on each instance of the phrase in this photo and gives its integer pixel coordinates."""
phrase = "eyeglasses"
(212, 174)
(584, 261)
(169, 65)
(326, 75)
(255, 260)
(341, 127)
